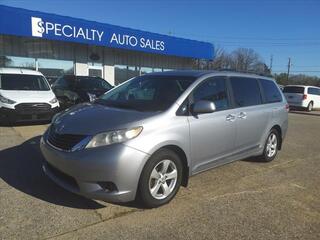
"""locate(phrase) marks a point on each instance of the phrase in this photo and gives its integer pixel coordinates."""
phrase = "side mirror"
(203, 106)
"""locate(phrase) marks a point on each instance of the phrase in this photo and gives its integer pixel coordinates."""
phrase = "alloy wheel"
(272, 144)
(163, 179)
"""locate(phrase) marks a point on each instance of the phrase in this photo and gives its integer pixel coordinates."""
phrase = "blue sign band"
(21, 22)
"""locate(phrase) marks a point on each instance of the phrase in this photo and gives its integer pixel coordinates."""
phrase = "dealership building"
(57, 45)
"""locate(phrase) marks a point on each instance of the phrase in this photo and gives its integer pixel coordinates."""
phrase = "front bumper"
(87, 172)
(14, 115)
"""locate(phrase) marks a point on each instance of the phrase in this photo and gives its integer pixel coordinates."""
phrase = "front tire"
(271, 146)
(160, 179)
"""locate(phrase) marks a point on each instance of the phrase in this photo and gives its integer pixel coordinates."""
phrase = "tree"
(300, 79)
(240, 60)
(221, 60)
(246, 60)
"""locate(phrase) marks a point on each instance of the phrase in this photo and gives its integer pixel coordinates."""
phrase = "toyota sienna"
(144, 138)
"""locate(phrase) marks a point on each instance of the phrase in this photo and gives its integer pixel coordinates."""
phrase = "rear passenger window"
(246, 91)
(215, 90)
(270, 91)
(313, 91)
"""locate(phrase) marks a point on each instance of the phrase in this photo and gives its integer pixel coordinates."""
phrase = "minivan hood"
(90, 119)
(28, 96)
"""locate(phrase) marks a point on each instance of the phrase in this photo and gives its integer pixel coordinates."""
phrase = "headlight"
(54, 100)
(6, 100)
(92, 97)
(118, 136)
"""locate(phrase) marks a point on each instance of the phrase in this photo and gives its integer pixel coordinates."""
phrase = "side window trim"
(232, 104)
(262, 95)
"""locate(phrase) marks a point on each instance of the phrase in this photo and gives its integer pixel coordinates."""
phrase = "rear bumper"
(14, 115)
(300, 105)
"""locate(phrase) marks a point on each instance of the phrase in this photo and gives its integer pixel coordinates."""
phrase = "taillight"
(304, 96)
(287, 107)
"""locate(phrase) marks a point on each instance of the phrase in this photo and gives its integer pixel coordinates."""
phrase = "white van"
(299, 96)
(25, 95)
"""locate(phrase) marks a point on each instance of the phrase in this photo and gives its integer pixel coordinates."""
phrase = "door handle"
(242, 115)
(230, 117)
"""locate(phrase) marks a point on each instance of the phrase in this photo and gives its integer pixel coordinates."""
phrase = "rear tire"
(160, 179)
(271, 146)
(310, 107)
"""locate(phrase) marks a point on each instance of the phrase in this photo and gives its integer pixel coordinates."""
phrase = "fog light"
(108, 186)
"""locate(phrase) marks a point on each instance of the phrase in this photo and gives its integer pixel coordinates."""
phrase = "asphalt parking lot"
(242, 200)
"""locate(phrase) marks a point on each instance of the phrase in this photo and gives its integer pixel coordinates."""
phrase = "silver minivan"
(147, 136)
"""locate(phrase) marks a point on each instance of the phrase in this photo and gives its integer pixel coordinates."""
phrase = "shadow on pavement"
(28, 123)
(21, 168)
(317, 113)
(254, 160)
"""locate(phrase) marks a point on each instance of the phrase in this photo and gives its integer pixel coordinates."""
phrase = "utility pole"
(271, 61)
(289, 66)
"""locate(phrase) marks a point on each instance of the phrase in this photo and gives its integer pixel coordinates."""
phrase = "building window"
(94, 64)
(157, 70)
(53, 69)
(95, 69)
(17, 62)
(120, 72)
(124, 72)
(132, 72)
(145, 70)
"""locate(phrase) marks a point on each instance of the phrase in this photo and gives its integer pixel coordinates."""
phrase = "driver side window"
(213, 89)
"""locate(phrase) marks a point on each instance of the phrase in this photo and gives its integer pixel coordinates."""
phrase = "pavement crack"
(262, 190)
(297, 186)
(99, 215)
(95, 223)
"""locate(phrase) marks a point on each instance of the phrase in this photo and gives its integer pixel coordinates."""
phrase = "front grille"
(62, 176)
(63, 141)
(29, 108)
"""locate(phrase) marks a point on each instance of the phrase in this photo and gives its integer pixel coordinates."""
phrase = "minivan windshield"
(23, 82)
(147, 93)
(293, 89)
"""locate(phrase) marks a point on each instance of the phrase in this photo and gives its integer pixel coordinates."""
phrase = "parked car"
(302, 97)
(145, 137)
(71, 89)
(25, 95)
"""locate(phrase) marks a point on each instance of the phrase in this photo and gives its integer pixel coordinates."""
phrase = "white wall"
(81, 69)
(108, 72)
